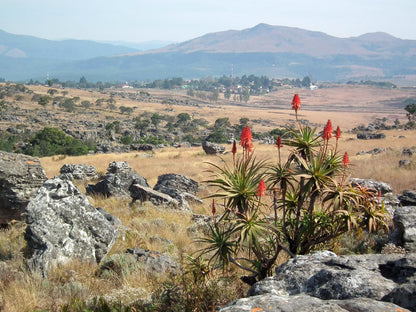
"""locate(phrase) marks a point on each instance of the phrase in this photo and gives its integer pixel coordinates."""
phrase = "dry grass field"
(346, 106)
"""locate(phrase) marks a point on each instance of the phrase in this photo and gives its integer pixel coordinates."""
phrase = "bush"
(52, 141)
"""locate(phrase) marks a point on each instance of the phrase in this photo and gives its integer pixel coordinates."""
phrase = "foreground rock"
(117, 181)
(78, 172)
(62, 225)
(347, 282)
(142, 194)
(20, 178)
(408, 198)
(383, 187)
(179, 187)
(212, 148)
(370, 136)
(305, 303)
(404, 233)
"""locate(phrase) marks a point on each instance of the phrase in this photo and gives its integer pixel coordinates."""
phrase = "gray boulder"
(326, 276)
(20, 178)
(62, 225)
(404, 233)
(383, 187)
(405, 163)
(408, 198)
(305, 303)
(117, 181)
(143, 193)
(179, 187)
(78, 172)
(212, 148)
(178, 182)
(155, 262)
(370, 135)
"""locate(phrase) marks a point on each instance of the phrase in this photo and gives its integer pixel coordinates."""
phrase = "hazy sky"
(181, 20)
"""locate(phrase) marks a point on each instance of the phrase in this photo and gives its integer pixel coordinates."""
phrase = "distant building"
(313, 87)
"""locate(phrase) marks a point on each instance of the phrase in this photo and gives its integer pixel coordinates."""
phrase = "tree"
(52, 141)
(306, 82)
(82, 82)
(227, 94)
(44, 100)
(86, 104)
(52, 92)
(156, 119)
(246, 95)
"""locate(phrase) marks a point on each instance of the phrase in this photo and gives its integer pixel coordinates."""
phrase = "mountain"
(21, 46)
(265, 38)
(275, 51)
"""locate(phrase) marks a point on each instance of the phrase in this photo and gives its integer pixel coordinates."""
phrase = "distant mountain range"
(275, 51)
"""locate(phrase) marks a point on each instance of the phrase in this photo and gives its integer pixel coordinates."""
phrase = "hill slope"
(275, 51)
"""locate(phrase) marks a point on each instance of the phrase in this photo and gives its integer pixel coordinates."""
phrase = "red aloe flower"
(261, 190)
(328, 131)
(234, 149)
(246, 139)
(296, 102)
(279, 142)
(338, 133)
(346, 160)
(213, 208)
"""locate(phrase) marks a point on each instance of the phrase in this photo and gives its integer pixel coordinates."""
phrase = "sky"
(181, 20)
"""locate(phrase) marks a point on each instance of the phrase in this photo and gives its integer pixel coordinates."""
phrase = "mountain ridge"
(275, 51)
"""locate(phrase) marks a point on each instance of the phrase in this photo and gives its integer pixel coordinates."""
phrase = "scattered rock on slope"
(323, 281)
(20, 178)
(117, 181)
(62, 225)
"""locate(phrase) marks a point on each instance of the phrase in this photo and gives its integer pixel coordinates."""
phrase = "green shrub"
(52, 141)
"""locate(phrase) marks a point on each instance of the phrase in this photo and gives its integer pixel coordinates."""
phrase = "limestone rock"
(20, 178)
(212, 148)
(78, 172)
(179, 187)
(383, 187)
(63, 225)
(143, 193)
(305, 303)
(117, 181)
(408, 198)
(154, 261)
(345, 279)
(404, 233)
(370, 136)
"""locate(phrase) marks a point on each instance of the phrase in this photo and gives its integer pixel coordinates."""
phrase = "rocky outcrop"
(383, 187)
(179, 187)
(118, 180)
(305, 303)
(347, 282)
(404, 233)
(143, 193)
(212, 148)
(62, 225)
(78, 172)
(370, 135)
(408, 198)
(20, 178)
(154, 261)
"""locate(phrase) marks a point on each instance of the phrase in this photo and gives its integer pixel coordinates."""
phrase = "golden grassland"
(164, 230)
(193, 162)
(347, 105)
